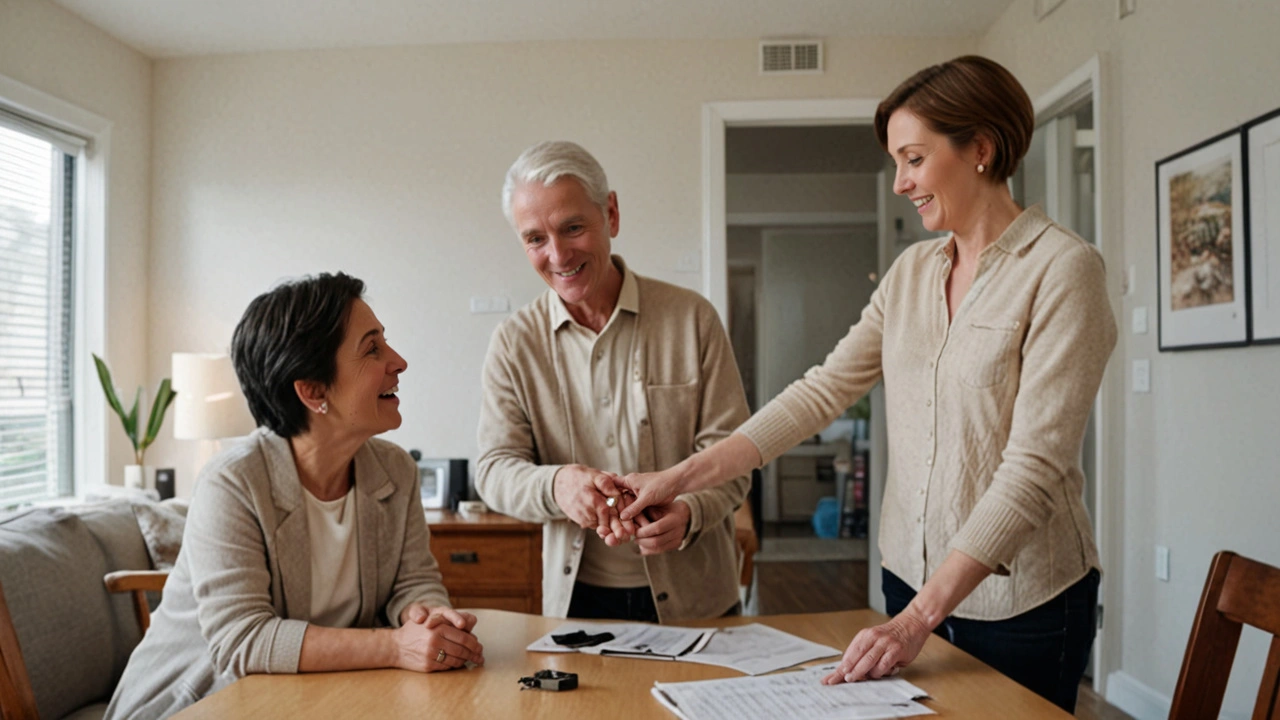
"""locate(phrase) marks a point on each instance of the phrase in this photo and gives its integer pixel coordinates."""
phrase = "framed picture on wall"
(1262, 157)
(1202, 252)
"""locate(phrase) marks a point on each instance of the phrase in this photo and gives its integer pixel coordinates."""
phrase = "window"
(38, 216)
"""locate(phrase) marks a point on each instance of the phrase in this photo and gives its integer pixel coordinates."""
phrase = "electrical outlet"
(1162, 563)
(1142, 376)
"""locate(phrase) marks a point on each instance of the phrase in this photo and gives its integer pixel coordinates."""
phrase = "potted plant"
(140, 437)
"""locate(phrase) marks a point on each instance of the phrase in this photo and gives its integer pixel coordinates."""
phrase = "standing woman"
(305, 545)
(991, 344)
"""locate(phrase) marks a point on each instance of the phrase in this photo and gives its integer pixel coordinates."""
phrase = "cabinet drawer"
(796, 467)
(474, 560)
(523, 604)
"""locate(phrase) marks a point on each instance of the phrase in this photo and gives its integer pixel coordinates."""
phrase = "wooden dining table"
(959, 685)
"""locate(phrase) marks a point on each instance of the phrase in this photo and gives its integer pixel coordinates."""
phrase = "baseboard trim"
(1127, 693)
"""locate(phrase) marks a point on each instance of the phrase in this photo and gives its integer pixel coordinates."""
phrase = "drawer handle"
(464, 558)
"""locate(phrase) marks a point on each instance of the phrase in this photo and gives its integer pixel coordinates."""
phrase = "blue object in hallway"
(826, 518)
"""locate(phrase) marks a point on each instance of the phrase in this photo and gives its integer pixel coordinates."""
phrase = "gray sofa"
(75, 636)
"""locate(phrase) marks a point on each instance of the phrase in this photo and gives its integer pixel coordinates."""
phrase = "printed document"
(792, 694)
(752, 649)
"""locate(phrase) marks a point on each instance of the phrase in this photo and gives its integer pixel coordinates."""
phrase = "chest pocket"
(988, 355)
(673, 418)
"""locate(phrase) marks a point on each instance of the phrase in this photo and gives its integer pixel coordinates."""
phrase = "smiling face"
(362, 397)
(940, 179)
(566, 237)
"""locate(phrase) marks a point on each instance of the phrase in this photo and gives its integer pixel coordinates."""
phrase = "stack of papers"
(752, 649)
(793, 694)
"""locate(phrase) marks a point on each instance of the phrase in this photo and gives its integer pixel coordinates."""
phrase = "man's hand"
(583, 494)
(662, 527)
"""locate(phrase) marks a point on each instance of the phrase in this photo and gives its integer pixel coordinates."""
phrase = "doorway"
(794, 187)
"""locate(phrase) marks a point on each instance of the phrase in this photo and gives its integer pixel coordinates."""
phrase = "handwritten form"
(793, 694)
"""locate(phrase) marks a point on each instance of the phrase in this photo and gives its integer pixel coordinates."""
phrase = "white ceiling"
(168, 28)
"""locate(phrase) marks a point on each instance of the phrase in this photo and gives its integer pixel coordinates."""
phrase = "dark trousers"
(1045, 649)
(591, 602)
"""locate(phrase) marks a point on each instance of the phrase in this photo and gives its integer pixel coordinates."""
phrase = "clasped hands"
(583, 493)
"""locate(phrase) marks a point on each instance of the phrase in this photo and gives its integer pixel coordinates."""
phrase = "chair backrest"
(1238, 592)
(17, 699)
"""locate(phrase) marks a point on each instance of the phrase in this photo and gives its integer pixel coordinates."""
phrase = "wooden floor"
(802, 587)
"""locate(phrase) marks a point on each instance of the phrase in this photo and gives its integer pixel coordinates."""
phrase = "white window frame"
(89, 445)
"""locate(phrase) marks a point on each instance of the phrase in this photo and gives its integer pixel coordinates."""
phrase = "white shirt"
(602, 378)
(335, 560)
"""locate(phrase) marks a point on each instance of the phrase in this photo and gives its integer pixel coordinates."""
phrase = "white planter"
(139, 477)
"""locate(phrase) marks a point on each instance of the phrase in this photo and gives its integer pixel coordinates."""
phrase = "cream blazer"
(239, 598)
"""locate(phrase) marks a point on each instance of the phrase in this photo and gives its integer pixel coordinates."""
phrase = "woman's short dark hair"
(963, 98)
(290, 333)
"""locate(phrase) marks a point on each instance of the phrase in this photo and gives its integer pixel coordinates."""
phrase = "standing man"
(607, 372)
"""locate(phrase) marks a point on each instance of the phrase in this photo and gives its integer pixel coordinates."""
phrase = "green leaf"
(164, 397)
(131, 422)
(108, 388)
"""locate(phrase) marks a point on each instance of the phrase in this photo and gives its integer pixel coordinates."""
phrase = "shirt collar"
(628, 296)
(1029, 225)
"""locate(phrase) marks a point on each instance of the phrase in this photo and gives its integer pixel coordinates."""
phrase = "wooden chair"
(138, 582)
(1238, 591)
(17, 699)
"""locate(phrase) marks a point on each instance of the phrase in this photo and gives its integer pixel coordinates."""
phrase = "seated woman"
(307, 531)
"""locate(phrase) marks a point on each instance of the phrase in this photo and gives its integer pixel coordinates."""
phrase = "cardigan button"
(567, 569)
(662, 597)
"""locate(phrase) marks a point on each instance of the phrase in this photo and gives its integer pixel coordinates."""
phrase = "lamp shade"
(209, 404)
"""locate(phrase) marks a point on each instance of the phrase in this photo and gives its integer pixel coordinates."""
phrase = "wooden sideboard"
(488, 560)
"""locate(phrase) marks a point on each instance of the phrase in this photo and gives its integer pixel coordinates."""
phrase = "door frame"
(717, 117)
(1108, 493)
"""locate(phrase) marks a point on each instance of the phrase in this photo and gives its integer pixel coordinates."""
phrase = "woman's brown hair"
(964, 98)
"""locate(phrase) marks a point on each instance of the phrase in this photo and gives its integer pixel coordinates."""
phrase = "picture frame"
(1202, 249)
(434, 489)
(1262, 160)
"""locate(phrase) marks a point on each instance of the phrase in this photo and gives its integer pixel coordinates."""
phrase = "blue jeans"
(1045, 649)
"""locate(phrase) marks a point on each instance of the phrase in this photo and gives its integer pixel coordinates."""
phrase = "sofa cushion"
(75, 638)
(162, 525)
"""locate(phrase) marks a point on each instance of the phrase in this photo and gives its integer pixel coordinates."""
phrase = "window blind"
(37, 218)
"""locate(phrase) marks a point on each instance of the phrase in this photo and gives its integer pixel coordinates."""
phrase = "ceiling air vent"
(789, 57)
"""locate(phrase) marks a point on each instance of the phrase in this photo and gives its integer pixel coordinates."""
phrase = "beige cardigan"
(694, 398)
(986, 413)
(239, 597)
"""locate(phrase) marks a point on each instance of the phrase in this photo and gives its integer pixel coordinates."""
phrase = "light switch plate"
(1142, 376)
(1162, 563)
(1140, 321)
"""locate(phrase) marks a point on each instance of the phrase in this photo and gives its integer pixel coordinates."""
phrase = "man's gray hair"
(549, 161)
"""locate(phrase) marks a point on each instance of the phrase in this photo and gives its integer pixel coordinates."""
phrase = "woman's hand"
(879, 651)
(434, 639)
(650, 489)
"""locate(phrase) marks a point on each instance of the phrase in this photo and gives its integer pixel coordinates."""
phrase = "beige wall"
(51, 50)
(388, 163)
(1198, 457)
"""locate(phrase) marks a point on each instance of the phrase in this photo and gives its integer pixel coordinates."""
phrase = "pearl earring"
(981, 168)
(324, 408)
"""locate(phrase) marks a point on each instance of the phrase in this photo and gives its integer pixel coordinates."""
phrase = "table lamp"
(209, 405)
